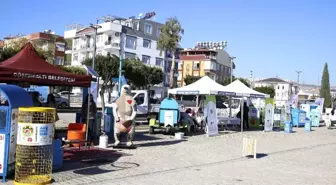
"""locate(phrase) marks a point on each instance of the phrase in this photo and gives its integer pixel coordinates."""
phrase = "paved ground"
(297, 158)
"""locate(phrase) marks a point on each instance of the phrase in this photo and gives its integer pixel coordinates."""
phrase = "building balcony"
(112, 45)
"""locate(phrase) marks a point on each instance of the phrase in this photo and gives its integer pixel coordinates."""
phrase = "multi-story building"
(283, 89)
(135, 37)
(200, 61)
(46, 40)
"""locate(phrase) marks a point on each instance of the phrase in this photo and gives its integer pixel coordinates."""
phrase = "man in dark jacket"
(245, 116)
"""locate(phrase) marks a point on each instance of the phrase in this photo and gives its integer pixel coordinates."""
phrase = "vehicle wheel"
(189, 130)
(151, 130)
(63, 105)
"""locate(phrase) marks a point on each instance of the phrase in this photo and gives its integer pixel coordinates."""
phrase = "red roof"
(28, 66)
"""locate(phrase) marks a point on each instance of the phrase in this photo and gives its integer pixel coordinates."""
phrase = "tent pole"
(87, 116)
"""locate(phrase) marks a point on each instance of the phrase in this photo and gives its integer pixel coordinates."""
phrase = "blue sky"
(271, 38)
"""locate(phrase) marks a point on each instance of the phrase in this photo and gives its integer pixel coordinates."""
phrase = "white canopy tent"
(240, 89)
(205, 85)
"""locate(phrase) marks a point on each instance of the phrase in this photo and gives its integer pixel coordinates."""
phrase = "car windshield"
(56, 95)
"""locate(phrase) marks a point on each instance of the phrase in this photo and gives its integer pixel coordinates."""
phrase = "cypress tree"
(325, 87)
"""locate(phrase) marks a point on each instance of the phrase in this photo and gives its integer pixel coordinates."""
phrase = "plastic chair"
(76, 133)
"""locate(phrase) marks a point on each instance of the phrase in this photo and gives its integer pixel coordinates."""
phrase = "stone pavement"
(297, 158)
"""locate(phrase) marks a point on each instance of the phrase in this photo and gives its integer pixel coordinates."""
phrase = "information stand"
(277, 119)
(16, 97)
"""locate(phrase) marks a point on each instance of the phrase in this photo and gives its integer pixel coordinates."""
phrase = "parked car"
(60, 101)
(67, 93)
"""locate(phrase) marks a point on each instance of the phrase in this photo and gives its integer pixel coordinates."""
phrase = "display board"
(212, 122)
(277, 118)
(269, 112)
(13, 137)
(2, 154)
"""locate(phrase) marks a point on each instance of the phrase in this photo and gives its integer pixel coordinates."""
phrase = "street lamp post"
(231, 74)
(120, 62)
(231, 63)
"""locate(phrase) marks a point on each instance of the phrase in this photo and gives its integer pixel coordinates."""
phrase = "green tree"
(168, 41)
(74, 70)
(227, 81)
(191, 79)
(15, 46)
(325, 87)
(266, 90)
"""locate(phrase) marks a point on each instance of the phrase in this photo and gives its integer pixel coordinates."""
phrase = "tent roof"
(205, 85)
(27, 66)
(241, 89)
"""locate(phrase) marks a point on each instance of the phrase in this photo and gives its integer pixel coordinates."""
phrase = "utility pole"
(231, 72)
(251, 81)
(120, 62)
(298, 76)
(95, 27)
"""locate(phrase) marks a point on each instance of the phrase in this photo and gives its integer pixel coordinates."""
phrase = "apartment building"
(204, 59)
(284, 90)
(46, 40)
(134, 37)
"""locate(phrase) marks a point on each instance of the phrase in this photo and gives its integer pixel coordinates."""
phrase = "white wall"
(152, 52)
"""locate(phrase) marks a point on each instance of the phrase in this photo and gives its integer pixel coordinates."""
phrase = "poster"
(169, 118)
(2, 154)
(269, 112)
(12, 137)
(212, 122)
(35, 134)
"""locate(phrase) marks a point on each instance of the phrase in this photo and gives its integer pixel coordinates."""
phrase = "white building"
(283, 89)
(136, 37)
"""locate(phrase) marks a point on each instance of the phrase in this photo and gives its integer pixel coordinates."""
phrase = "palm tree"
(170, 36)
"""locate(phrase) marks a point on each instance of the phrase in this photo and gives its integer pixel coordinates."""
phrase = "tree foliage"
(138, 74)
(168, 41)
(191, 79)
(266, 90)
(325, 87)
(74, 70)
(15, 46)
(227, 81)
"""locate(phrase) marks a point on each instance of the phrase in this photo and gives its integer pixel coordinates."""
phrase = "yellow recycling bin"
(34, 149)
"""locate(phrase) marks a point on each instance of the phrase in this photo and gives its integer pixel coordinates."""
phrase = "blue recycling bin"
(288, 127)
(308, 125)
(109, 121)
(169, 112)
(57, 155)
(298, 118)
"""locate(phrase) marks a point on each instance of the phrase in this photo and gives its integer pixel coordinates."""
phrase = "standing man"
(245, 116)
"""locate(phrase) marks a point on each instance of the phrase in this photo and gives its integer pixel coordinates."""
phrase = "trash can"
(308, 125)
(109, 122)
(288, 127)
(34, 149)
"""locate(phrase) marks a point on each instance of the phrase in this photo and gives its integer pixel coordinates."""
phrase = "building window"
(99, 52)
(59, 61)
(146, 43)
(179, 78)
(158, 61)
(145, 59)
(148, 29)
(136, 25)
(129, 55)
(180, 65)
(158, 31)
(131, 42)
(196, 65)
(75, 57)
